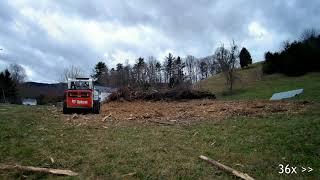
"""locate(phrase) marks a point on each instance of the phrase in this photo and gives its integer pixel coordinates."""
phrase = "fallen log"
(160, 122)
(129, 174)
(39, 170)
(227, 168)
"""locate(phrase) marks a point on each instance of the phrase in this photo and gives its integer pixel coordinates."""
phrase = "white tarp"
(287, 94)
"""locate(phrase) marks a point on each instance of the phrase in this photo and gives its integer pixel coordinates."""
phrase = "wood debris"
(227, 168)
(184, 112)
(52, 160)
(38, 170)
(74, 116)
(106, 117)
(160, 122)
(196, 110)
(129, 174)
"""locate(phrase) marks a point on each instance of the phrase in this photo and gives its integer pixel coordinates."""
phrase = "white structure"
(104, 92)
(30, 102)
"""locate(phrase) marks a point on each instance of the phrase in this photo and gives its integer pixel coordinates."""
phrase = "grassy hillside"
(252, 84)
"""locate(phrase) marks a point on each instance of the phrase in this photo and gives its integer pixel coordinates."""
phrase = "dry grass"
(244, 78)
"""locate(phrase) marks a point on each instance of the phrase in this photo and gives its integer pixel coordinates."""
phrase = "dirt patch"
(171, 113)
(196, 110)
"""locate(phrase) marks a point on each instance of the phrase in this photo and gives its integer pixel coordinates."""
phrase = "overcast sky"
(46, 36)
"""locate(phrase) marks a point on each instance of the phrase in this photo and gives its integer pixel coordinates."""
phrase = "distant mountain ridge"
(35, 89)
(37, 84)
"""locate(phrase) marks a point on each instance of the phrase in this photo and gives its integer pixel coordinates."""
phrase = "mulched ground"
(177, 112)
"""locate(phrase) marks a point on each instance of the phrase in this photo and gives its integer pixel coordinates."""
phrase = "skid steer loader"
(81, 95)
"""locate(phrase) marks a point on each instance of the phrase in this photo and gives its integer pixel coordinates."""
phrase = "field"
(162, 140)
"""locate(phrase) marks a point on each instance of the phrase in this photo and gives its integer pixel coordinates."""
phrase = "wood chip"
(74, 116)
(52, 160)
(106, 117)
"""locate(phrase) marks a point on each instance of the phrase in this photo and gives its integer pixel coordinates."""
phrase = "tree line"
(174, 71)
(297, 57)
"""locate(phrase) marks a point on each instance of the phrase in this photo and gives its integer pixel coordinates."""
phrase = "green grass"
(31, 135)
(253, 85)
(272, 84)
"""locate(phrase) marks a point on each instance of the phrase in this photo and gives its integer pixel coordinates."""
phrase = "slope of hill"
(252, 84)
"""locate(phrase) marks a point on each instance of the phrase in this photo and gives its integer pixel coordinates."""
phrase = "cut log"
(39, 170)
(227, 168)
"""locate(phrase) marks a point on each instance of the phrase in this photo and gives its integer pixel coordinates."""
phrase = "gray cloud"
(46, 36)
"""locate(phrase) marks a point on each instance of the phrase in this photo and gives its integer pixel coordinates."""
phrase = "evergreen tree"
(245, 58)
(177, 71)
(169, 67)
(158, 72)
(140, 70)
(100, 72)
(297, 57)
(7, 87)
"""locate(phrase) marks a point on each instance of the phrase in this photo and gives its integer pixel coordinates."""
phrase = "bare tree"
(309, 33)
(72, 73)
(190, 68)
(212, 65)
(227, 62)
(18, 73)
(151, 69)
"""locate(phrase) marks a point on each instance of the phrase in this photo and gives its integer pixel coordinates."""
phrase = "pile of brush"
(130, 94)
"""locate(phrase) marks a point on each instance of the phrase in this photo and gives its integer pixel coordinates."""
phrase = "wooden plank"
(38, 169)
(161, 122)
(227, 168)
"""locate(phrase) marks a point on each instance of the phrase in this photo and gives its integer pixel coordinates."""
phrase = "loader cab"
(81, 95)
(80, 84)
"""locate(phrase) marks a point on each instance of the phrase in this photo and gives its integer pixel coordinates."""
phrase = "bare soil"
(178, 112)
